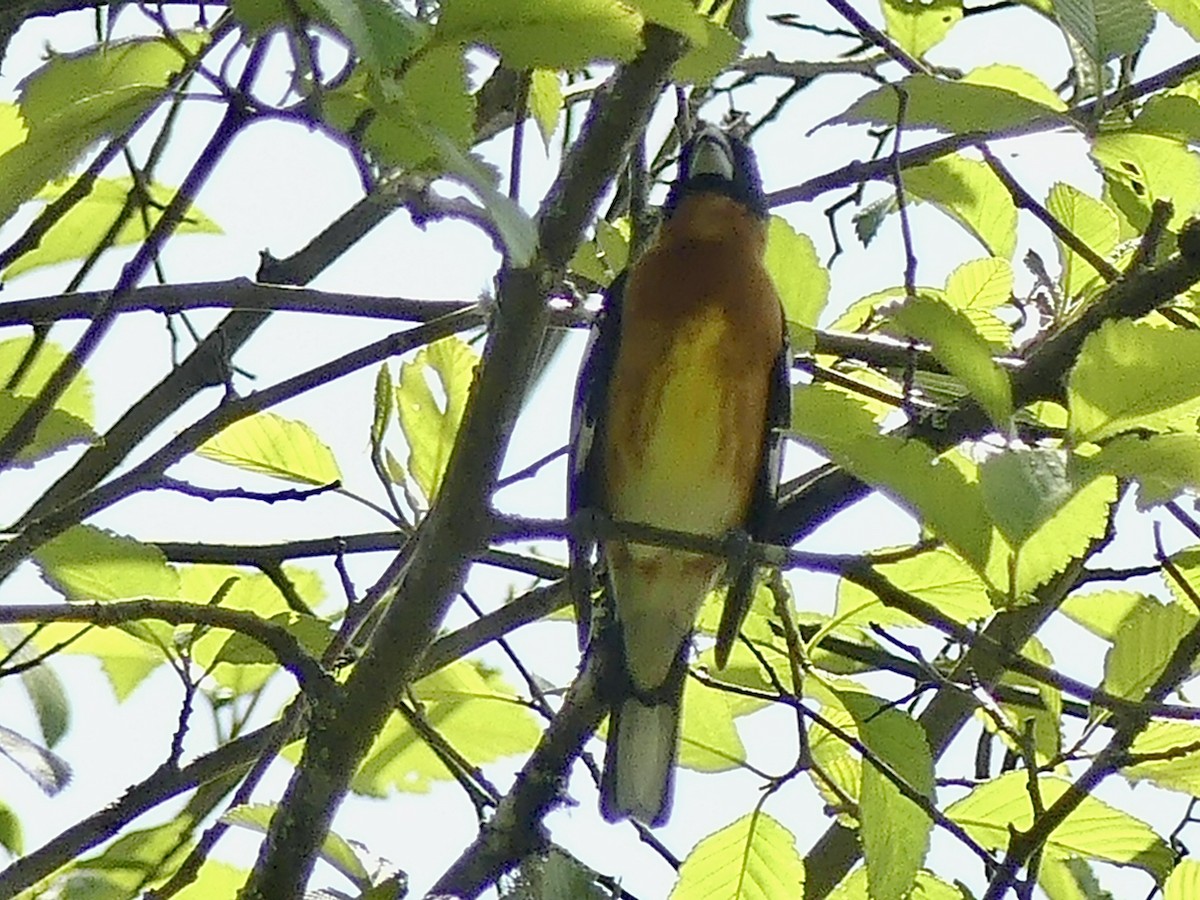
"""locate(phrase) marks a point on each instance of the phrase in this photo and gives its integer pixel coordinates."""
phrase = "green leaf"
(545, 34)
(799, 277)
(933, 489)
(430, 426)
(1184, 882)
(85, 563)
(918, 26)
(1164, 465)
(1143, 645)
(77, 99)
(409, 119)
(1106, 29)
(1102, 612)
(552, 873)
(705, 60)
(126, 860)
(752, 857)
(1093, 223)
(1065, 536)
(980, 285)
(56, 431)
(969, 191)
(215, 879)
(936, 576)
(11, 837)
(471, 707)
(45, 690)
(76, 400)
(1141, 168)
(1177, 746)
(334, 849)
(962, 350)
(1094, 830)
(239, 663)
(1047, 730)
(927, 887)
(952, 106)
(76, 234)
(1187, 565)
(383, 34)
(385, 405)
(1184, 13)
(894, 830)
(272, 445)
(1023, 488)
(545, 101)
(1132, 376)
(1069, 879)
(613, 241)
(709, 741)
(1173, 114)
(1017, 80)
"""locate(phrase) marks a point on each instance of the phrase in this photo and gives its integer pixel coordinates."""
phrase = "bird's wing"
(584, 457)
(762, 502)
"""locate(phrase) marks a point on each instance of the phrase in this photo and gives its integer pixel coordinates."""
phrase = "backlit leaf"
(1093, 223)
(752, 857)
(85, 563)
(917, 26)
(275, 446)
(1094, 830)
(799, 277)
(430, 424)
(1132, 376)
(1143, 645)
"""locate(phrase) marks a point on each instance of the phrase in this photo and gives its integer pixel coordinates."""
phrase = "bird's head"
(716, 162)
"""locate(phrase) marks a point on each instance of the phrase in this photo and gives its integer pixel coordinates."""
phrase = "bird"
(679, 410)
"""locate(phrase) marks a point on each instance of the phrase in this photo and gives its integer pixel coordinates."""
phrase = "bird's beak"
(711, 155)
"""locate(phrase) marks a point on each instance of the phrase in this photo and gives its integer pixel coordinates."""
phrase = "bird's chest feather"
(688, 401)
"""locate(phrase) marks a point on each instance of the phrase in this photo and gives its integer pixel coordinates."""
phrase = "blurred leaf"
(136, 854)
(752, 857)
(56, 431)
(82, 229)
(799, 277)
(85, 563)
(383, 34)
(430, 424)
(1163, 465)
(547, 34)
(12, 838)
(471, 707)
(917, 26)
(1184, 13)
(48, 771)
(1130, 376)
(709, 740)
(927, 887)
(215, 879)
(334, 849)
(1102, 612)
(76, 400)
(385, 405)
(272, 445)
(705, 60)
(1184, 881)
(1094, 830)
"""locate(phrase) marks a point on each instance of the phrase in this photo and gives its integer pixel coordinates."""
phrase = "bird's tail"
(643, 742)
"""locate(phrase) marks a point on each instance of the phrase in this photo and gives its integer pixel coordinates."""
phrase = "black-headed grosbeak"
(678, 407)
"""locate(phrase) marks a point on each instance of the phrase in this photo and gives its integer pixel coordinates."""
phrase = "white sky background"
(277, 188)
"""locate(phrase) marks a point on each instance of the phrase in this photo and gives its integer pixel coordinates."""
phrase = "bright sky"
(279, 187)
